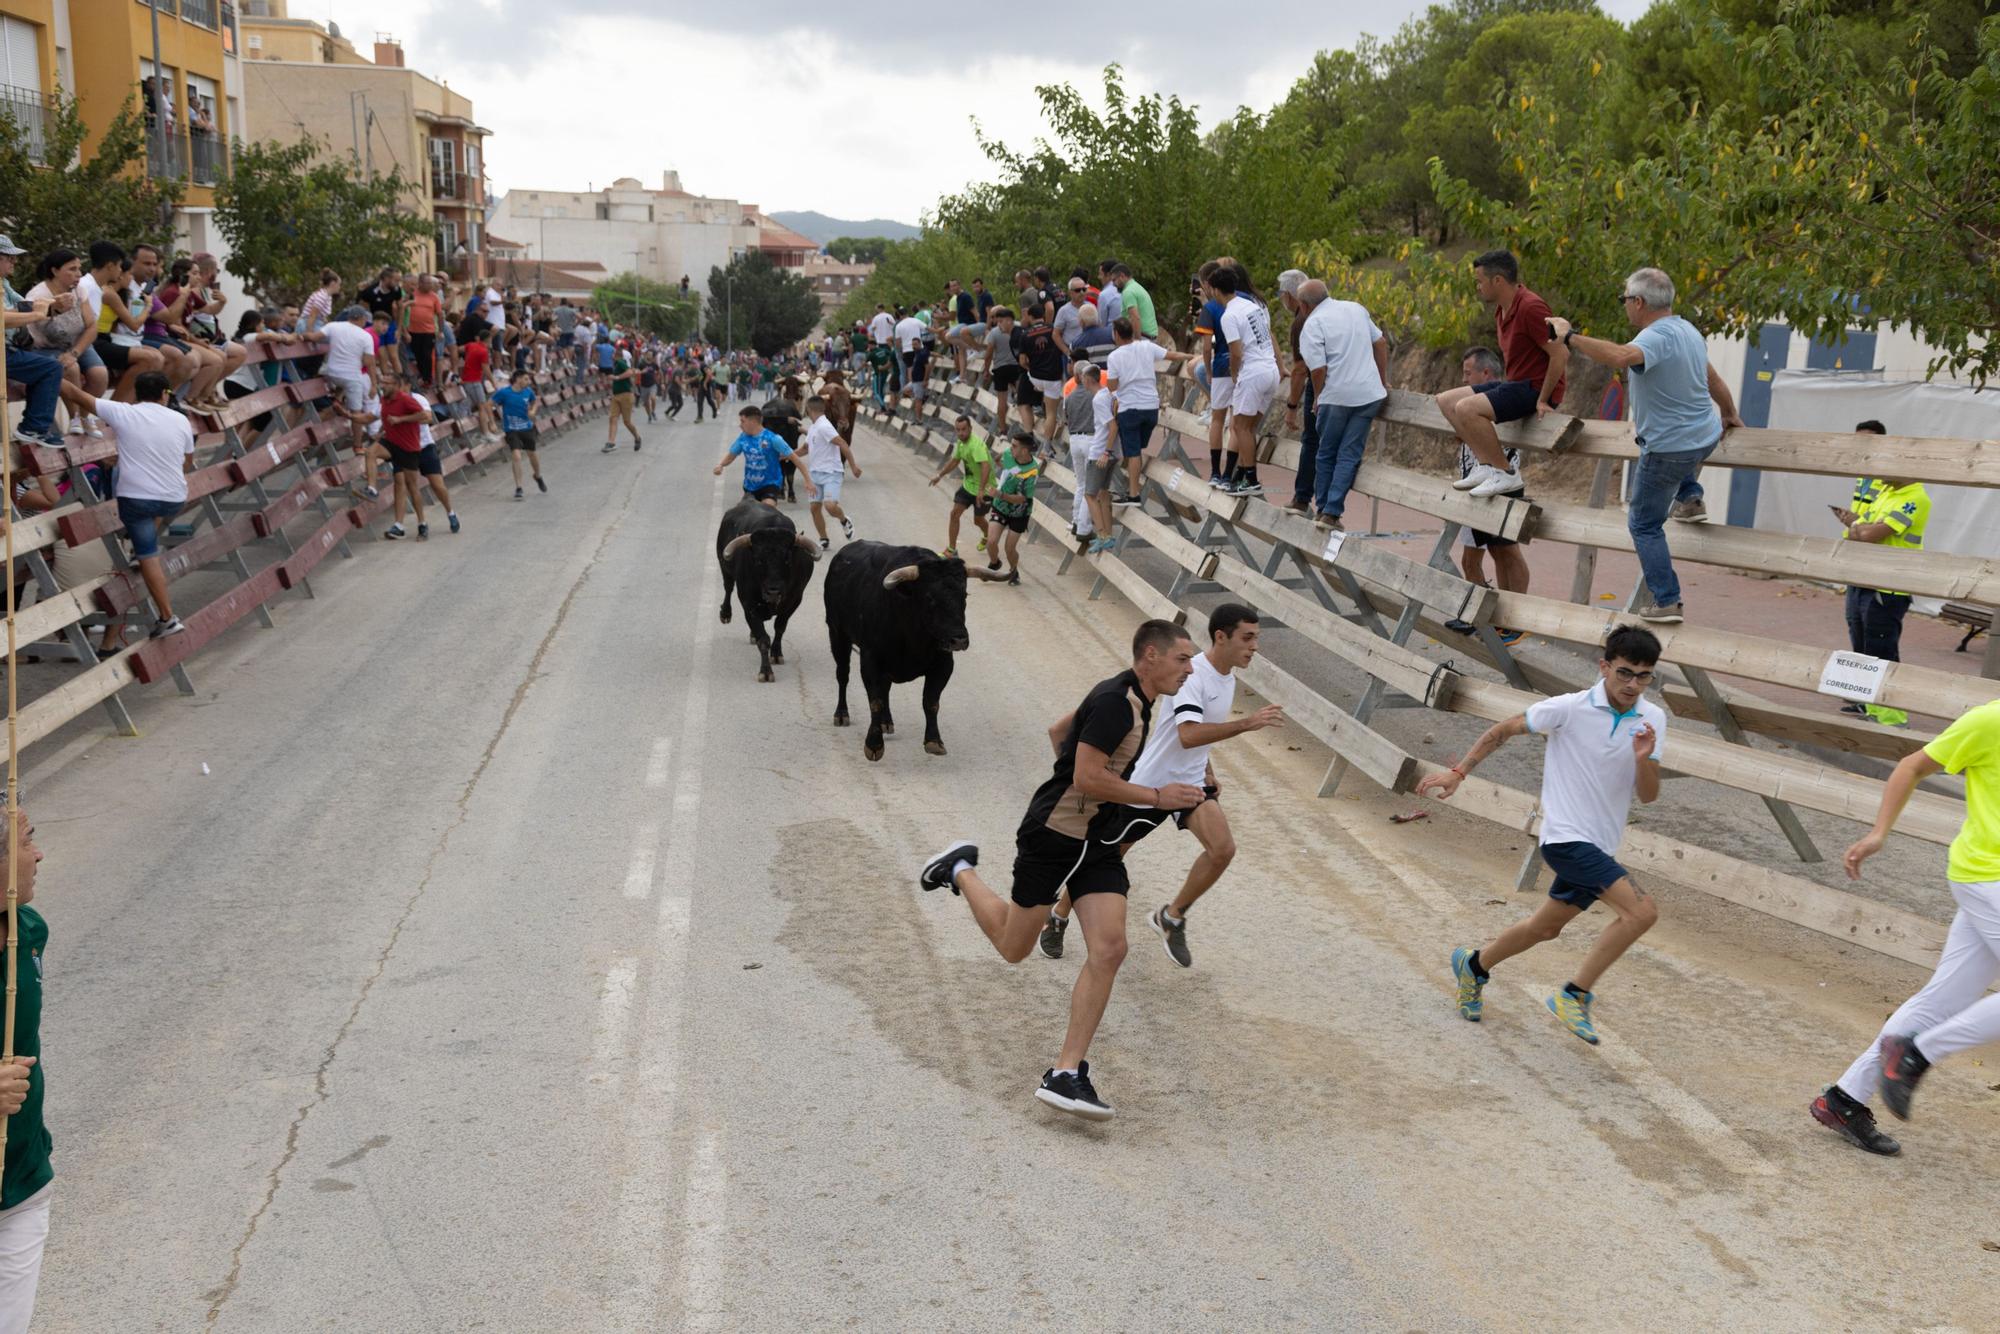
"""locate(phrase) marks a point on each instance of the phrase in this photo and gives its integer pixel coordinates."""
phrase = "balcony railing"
(202, 12)
(29, 110)
(164, 6)
(452, 189)
(166, 154)
(210, 157)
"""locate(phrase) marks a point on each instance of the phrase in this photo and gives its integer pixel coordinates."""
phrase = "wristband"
(1291, 407)
(1460, 772)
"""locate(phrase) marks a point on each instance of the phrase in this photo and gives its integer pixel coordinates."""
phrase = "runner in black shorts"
(1064, 841)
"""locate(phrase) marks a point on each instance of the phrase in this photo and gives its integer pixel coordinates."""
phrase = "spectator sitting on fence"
(1510, 568)
(1680, 410)
(348, 368)
(40, 373)
(1892, 513)
(319, 306)
(155, 454)
(1531, 383)
(205, 312)
(69, 333)
(252, 328)
(191, 313)
(120, 322)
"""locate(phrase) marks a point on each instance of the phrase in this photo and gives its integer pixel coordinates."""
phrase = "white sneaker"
(1498, 483)
(75, 426)
(93, 426)
(1479, 473)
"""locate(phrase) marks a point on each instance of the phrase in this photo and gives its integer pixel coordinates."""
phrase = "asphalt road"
(521, 963)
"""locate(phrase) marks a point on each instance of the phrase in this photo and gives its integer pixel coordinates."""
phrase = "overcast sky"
(776, 103)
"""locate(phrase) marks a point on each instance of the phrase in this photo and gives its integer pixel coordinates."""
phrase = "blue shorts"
(1135, 430)
(1512, 400)
(142, 523)
(1583, 871)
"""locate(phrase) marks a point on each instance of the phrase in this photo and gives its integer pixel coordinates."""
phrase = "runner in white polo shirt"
(1604, 745)
(1253, 360)
(1192, 720)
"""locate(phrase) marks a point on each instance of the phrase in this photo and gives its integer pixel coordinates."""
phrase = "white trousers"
(1079, 462)
(1953, 1011)
(24, 1229)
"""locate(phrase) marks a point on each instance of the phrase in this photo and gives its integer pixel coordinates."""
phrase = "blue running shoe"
(1470, 985)
(1574, 1013)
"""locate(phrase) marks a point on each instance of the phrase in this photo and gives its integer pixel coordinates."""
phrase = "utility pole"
(353, 115)
(160, 117)
(635, 289)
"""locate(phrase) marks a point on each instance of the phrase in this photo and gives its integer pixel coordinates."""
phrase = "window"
(444, 177)
(472, 160)
(21, 80)
(474, 237)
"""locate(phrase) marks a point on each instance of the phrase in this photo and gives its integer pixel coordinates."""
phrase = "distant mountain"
(823, 229)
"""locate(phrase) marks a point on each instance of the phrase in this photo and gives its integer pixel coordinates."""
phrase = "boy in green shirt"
(24, 1195)
(1013, 500)
(969, 456)
(1953, 1012)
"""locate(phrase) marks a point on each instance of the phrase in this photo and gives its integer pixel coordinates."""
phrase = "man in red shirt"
(403, 422)
(1530, 384)
(473, 378)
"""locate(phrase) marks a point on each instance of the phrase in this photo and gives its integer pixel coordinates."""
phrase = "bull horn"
(981, 572)
(902, 574)
(736, 544)
(810, 547)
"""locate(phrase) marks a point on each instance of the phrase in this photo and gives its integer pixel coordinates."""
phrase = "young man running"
(1013, 501)
(1604, 745)
(827, 459)
(517, 414)
(763, 459)
(970, 457)
(621, 401)
(1177, 752)
(1065, 841)
(1953, 1012)
(415, 459)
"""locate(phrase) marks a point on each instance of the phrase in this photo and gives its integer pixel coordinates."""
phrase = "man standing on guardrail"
(155, 454)
(1061, 844)
(1192, 721)
(1348, 359)
(1680, 409)
(1589, 775)
(1892, 513)
(1952, 1013)
(1531, 384)
(1254, 374)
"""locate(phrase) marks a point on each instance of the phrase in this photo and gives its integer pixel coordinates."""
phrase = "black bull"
(904, 609)
(766, 562)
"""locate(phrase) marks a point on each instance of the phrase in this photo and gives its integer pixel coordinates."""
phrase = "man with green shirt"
(1013, 499)
(975, 465)
(1137, 300)
(880, 361)
(621, 400)
(1887, 512)
(1952, 1013)
(24, 1195)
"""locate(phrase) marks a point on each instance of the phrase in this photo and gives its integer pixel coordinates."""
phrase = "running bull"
(904, 609)
(766, 562)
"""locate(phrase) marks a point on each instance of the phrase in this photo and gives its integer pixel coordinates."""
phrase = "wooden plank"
(100, 519)
(292, 504)
(126, 589)
(152, 659)
(1440, 590)
(243, 409)
(56, 611)
(275, 452)
(36, 531)
(293, 570)
(1360, 745)
(48, 712)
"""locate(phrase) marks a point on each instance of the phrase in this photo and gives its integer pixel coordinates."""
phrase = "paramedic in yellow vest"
(1893, 513)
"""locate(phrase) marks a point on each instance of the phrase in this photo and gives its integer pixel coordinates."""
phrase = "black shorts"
(522, 440)
(424, 462)
(1005, 378)
(1013, 523)
(1025, 393)
(117, 357)
(964, 499)
(1133, 823)
(1490, 540)
(1513, 400)
(1045, 861)
(766, 493)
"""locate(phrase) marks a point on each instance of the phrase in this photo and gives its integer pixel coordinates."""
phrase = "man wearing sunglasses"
(1604, 746)
(1680, 409)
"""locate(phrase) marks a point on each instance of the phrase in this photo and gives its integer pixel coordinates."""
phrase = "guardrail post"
(1586, 556)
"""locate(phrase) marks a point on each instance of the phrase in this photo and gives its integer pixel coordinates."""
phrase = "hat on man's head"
(7, 247)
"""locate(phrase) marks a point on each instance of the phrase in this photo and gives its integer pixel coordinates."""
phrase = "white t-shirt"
(153, 439)
(822, 455)
(496, 313)
(882, 327)
(910, 332)
(1133, 366)
(1340, 336)
(346, 344)
(123, 334)
(250, 375)
(1206, 697)
(424, 436)
(1245, 321)
(1588, 775)
(89, 298)
(1104, 415)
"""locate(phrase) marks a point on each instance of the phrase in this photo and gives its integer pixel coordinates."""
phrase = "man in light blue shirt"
(1680, 409)
(762, 453)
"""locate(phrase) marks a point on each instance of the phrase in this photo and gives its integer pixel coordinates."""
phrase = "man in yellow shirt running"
(1953, 1011)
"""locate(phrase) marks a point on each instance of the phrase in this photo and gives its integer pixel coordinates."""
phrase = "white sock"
(1066, 1072)
(960, 868)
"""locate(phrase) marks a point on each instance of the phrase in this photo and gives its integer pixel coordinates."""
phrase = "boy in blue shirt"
(763, 455)
(517, 418)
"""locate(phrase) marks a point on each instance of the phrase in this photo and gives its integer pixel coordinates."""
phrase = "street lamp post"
(729, 312)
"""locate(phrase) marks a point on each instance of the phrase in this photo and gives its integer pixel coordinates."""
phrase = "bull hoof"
(840, 720)
(872, 752)
(777, 658)
(888, 729)
(726, 618)
(933, 747)
(766, 676)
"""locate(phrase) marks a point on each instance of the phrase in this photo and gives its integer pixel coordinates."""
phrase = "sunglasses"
(1627, 674)
(1630, 296)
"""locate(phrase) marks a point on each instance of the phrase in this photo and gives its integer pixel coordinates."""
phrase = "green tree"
(755, 302)
(291, 209)
(857, 249)
(52, 195)
(651, 307)
(909, 272)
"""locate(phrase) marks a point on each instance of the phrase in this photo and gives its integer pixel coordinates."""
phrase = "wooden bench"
(1977, 620)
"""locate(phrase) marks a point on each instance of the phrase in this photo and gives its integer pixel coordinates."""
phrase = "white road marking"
(706, 1239)
(639, 876)
(614, 1006)
(657, 764)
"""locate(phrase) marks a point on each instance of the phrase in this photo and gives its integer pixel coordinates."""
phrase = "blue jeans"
(1343, 438)
(41, 374)
(1302, 484)
(1660, 481)
(142, 522)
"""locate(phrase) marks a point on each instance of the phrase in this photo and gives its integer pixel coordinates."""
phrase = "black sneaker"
(1459, 627)
(636, 442)
(1861, 709)
(1902, 1067)
(453, 518)
(1853, 1120)
(1074, 1094)
(847, 528)
(1124, 501)
(171, 625)
(423, 532)
(937, 872)
(394, 533)
(1013, 579)
(518, 495)
(1173, 934)
(542, 484)
(825, 544)
(1052, 936)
